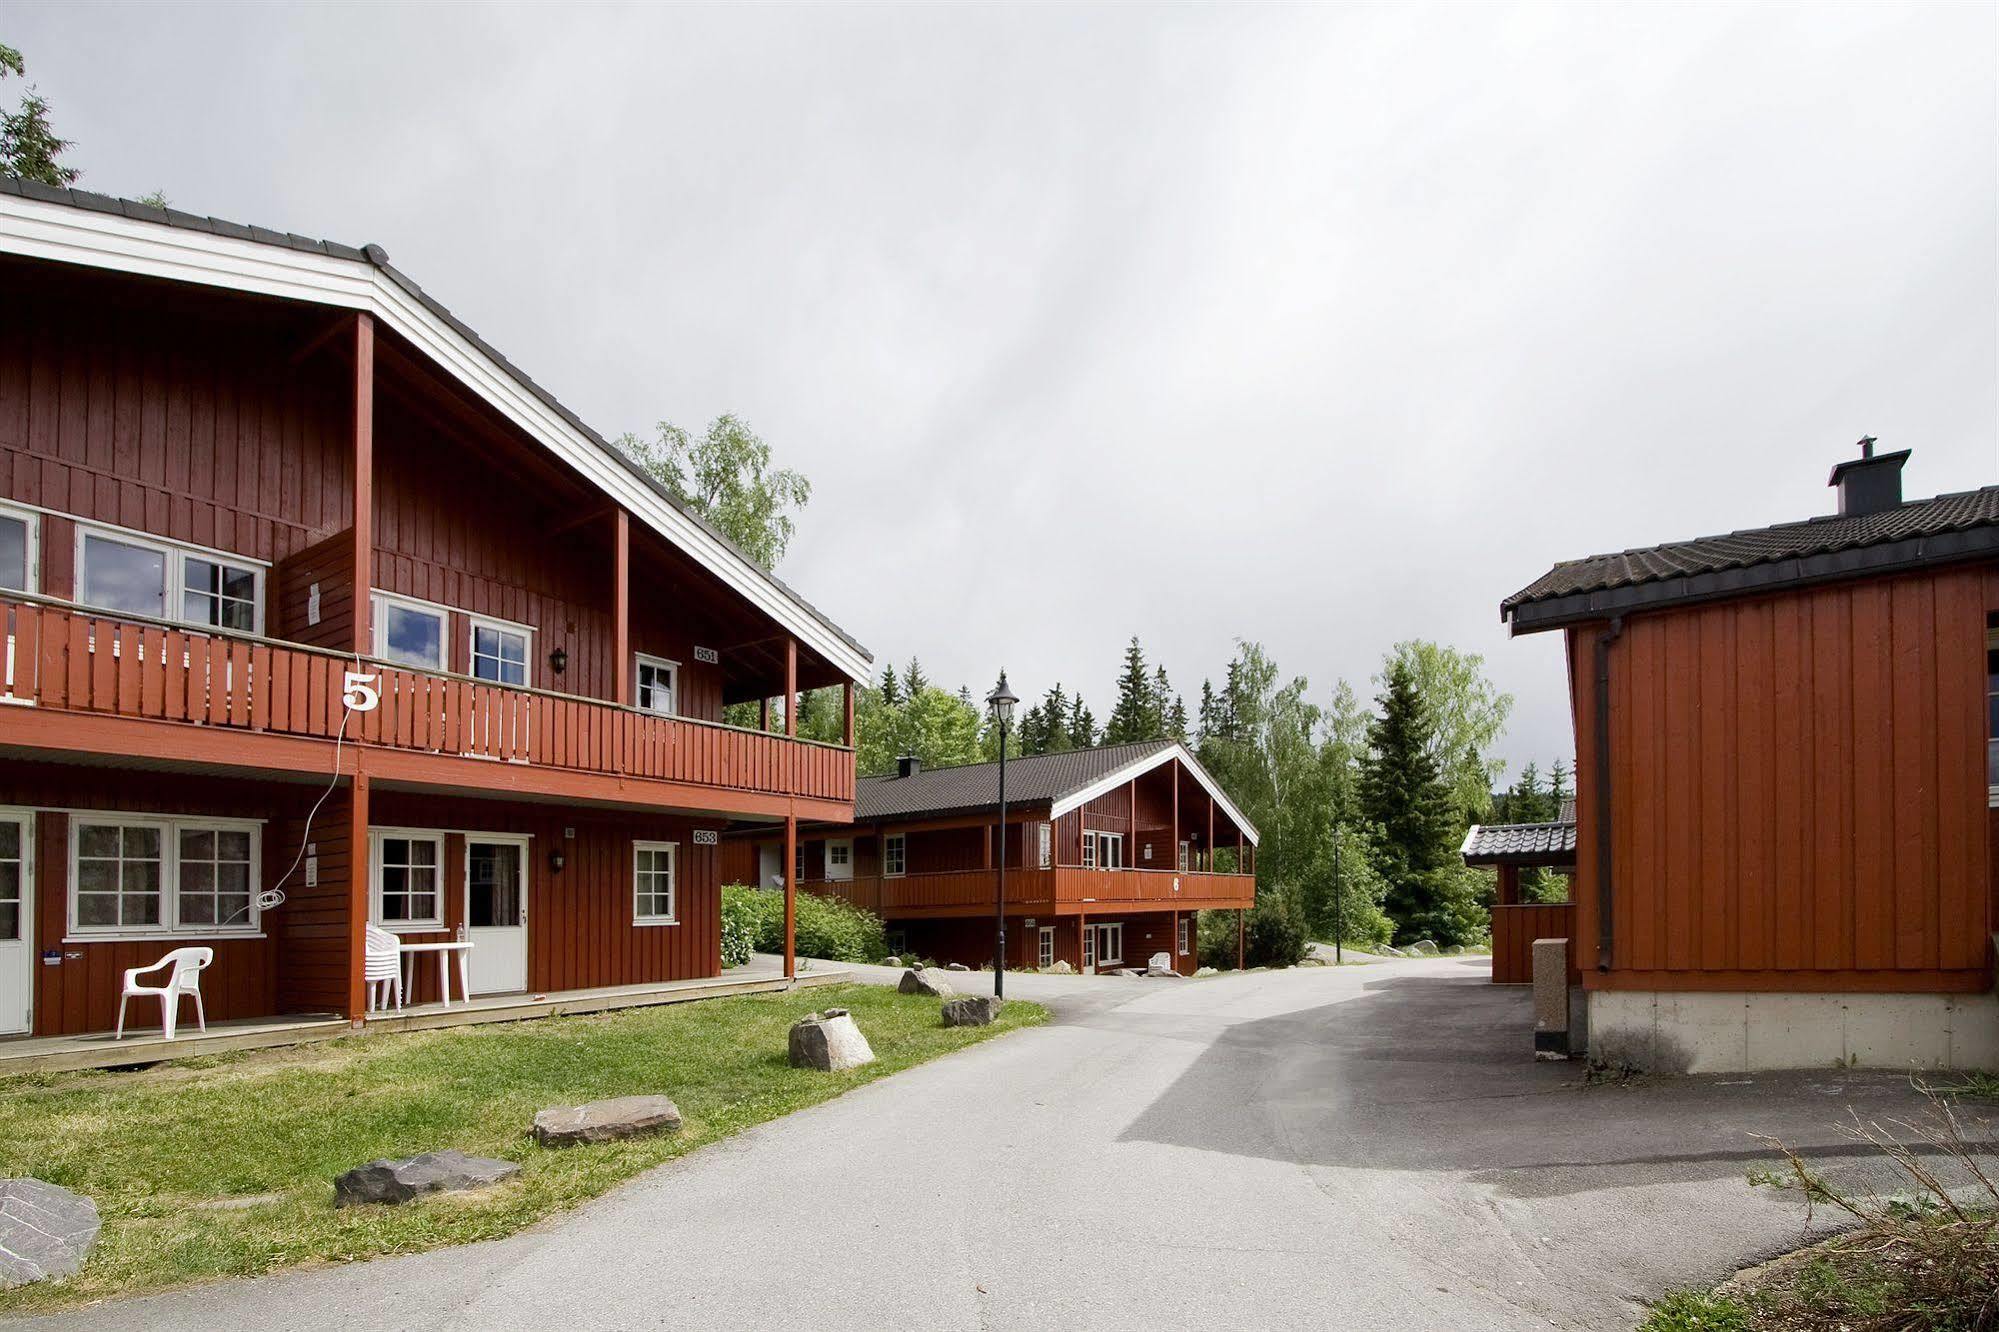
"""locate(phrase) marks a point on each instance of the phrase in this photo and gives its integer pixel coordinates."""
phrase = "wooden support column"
(1131, 839)
(791, 687)
(847, 707)
(1211, 834)
(1174, 850)
(1241, 938)
(790, 896)
(357, 893)
(992, 831)
(1240, 866)
(763, 715)
(364, 488)
(621, 609)
(1509, 885)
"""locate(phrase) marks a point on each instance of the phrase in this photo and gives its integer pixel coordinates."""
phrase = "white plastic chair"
(183, 980)
(382, 969)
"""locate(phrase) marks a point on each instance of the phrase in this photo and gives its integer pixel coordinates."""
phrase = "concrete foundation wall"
(1694, 1032)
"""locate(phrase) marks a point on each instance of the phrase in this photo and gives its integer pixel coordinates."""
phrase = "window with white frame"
(895, 856)
(409, 632)
(1110, 944)
(1089, 946)
(1045, 840)
(408, 879)
(1044, 952)
(500, 651)
(146, 576)
(1185, 933)
(149, 876)
(653, 883)
(19, 565)
(658, 684)
(798, 865)
(1103, 850)
(1186, 855)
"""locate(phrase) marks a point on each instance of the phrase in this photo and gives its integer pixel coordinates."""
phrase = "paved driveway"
(1364, 1147)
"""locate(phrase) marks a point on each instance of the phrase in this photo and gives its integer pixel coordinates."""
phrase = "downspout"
(1601, 821)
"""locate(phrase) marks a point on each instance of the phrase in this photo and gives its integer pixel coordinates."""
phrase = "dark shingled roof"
(1929, 531)
(1041, 779)
(376, 255)
(1520, 843)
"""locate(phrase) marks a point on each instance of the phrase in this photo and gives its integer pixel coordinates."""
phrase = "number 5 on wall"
(360, 694)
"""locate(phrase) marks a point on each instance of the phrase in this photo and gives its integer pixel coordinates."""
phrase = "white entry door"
(496, 913)
(17, 935)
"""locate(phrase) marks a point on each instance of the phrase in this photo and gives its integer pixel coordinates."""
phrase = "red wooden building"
(1110, 853)
(251, 484)
(1786, 785)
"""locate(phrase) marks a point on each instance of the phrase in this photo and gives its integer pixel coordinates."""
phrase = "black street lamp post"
(1001, 701)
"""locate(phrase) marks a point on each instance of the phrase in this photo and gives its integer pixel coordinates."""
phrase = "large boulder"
(1205, 971)
(448, 1171)
(925, 980)
(1058, 969)
(45, 1230)
(603, 1121)
(891, 961)
(829, 1042)
(1423, 948)
(974, 1010)
(956, 966)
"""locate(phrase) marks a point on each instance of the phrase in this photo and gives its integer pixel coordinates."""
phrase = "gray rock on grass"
(605, 1121)
(956, 966)
(1423, 948)
(448, 1171)
(45, 1230)
(925, 980)
(829, 1042)
(974, 1010)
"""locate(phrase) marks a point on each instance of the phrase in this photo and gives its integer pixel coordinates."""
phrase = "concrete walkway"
(1362, 1147)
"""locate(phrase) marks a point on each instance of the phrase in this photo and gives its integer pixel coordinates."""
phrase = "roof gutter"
(1600, 820)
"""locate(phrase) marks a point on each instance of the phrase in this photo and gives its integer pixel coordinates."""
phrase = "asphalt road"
(1365, 1147)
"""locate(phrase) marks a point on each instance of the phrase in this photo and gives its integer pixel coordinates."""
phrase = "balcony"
(1064, 890)
(188, 695)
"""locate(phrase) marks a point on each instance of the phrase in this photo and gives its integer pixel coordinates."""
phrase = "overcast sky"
(1322, 327)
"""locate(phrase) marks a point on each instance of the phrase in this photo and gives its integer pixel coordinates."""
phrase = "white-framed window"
(409, 632)
(1044, 948)
(798, 865)
(895, 856)
(1103, 850)
(1089, 946)
(407, 878)
(142, 575)
(1110, 944)
(1186, 856)
(1045, 842)
(653, 880)
(1185, 933)
(20, 549)
(500, 650)
(133, 875)
(658, 683)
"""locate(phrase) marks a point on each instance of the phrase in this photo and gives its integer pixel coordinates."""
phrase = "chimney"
(1870, 483)
(908, 765)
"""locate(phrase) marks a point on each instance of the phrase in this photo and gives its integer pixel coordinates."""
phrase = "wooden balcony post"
(364, 487)
(763, 715)
(358, 871)
(1241, 937)
(791, 687)
(847, 705)
(1174, 850)
(790, 896)
(621, 609)
(1509, 885)
(1211, 834)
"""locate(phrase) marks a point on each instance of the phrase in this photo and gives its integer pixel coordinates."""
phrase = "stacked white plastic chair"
(183, 980)
(383, 969)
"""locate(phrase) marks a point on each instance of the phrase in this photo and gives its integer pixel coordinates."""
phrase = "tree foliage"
(1413, 809)
(1467, 715)
(726, 477)
(29, 147)
(909, 715)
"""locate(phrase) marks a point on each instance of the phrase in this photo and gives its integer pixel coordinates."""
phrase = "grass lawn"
(224, 1166)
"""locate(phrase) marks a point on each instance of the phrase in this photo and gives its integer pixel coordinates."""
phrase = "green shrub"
(1274, 934)
(739, 925)
(825, 927)
(1696, 1311)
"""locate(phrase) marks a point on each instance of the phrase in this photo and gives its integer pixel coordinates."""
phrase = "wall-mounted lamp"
(558, 660)
(555, 862)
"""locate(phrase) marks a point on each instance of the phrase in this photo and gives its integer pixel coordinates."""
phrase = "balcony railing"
(62, 657)
(960, 890)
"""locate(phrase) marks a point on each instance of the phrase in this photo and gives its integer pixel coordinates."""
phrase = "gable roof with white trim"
(122, 235)
(1064, 781)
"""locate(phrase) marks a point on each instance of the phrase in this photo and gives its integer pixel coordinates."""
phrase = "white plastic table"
(443, 948)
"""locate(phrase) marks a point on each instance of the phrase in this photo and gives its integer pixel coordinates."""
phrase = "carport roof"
(1520, 844)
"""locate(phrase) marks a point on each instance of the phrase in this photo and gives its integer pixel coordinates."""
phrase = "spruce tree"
(1082, 726)
(1405, 798)
(1132, 718)
(914, 681)
(891, 690)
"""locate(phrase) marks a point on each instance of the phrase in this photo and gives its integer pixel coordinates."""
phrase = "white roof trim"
(66, 234)
(1130, 770)
(1471, 835)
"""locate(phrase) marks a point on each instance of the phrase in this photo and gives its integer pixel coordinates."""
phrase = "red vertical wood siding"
(1798, 790)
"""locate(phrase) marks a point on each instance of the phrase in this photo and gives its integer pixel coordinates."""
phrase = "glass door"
(496, 913)
(17, 936)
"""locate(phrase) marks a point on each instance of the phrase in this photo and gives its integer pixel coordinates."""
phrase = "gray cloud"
(1323, 327)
